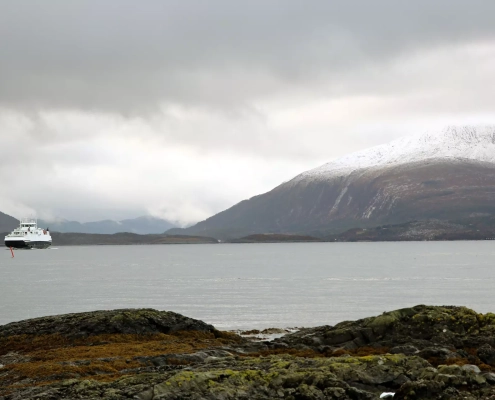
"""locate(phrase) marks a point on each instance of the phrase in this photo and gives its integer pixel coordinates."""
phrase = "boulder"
(486, 353)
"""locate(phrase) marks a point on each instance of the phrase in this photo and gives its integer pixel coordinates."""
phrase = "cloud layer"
(182, 108)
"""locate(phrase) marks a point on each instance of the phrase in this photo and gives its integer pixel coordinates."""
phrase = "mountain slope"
(7, 223)
(447, 175)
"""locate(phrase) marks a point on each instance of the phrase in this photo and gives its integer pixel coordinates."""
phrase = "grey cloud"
(182, 108)
(127, 56)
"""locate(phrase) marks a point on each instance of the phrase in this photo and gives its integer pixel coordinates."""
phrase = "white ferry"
(29, 236)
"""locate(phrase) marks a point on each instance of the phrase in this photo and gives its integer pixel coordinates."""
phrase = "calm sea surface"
(249, 285)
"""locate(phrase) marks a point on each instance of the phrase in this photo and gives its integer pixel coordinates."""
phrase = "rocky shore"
(423, 352)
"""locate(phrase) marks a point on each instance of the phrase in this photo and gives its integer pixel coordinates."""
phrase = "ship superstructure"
(28, 236)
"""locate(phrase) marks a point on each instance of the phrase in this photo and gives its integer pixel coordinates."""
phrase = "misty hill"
(447, 175)
(141, 226)
(7, 223)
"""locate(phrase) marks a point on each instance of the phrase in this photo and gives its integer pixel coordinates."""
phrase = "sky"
(180, 109)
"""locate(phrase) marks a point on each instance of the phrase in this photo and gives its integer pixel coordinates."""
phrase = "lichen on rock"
(422, 352)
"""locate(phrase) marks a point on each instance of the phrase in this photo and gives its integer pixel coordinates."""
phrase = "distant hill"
(7, 223)
(446, 176)
(78, 239)
(275, 238)
(473, 228)
(140, 226)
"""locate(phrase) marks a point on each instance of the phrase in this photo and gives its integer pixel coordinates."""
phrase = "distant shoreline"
(354, 236)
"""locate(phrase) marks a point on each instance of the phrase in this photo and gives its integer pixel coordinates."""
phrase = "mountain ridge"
(455, 143)
(141, 225)
(447, 175)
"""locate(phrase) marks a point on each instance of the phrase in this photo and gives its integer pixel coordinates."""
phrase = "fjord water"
(249, 285)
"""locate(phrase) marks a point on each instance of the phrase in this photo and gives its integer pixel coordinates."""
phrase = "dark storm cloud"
(128, 56)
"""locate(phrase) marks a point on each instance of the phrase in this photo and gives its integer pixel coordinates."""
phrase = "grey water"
(242, 286)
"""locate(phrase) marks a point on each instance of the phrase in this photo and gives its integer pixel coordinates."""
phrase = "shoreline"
(56, 245)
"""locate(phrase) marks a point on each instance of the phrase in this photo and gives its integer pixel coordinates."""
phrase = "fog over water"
(249, 285)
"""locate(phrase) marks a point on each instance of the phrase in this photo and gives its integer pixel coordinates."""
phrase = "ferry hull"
(21, 244)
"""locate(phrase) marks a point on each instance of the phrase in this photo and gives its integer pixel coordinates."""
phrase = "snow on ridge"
(454, 143)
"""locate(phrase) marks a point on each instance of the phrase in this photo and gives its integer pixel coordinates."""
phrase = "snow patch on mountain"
(476, 143)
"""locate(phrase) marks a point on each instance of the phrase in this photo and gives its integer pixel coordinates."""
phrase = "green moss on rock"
(125, 321)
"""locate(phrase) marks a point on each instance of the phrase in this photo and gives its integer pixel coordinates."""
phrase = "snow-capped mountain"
(453, 143)
(447, 175)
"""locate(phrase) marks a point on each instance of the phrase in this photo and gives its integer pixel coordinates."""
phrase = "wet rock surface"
(422, 352)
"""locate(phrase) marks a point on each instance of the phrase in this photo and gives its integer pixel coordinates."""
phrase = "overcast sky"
(180, 109)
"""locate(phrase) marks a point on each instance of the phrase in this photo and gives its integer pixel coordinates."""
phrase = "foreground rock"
(125, 321)
(428, 331)
(422, 352)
